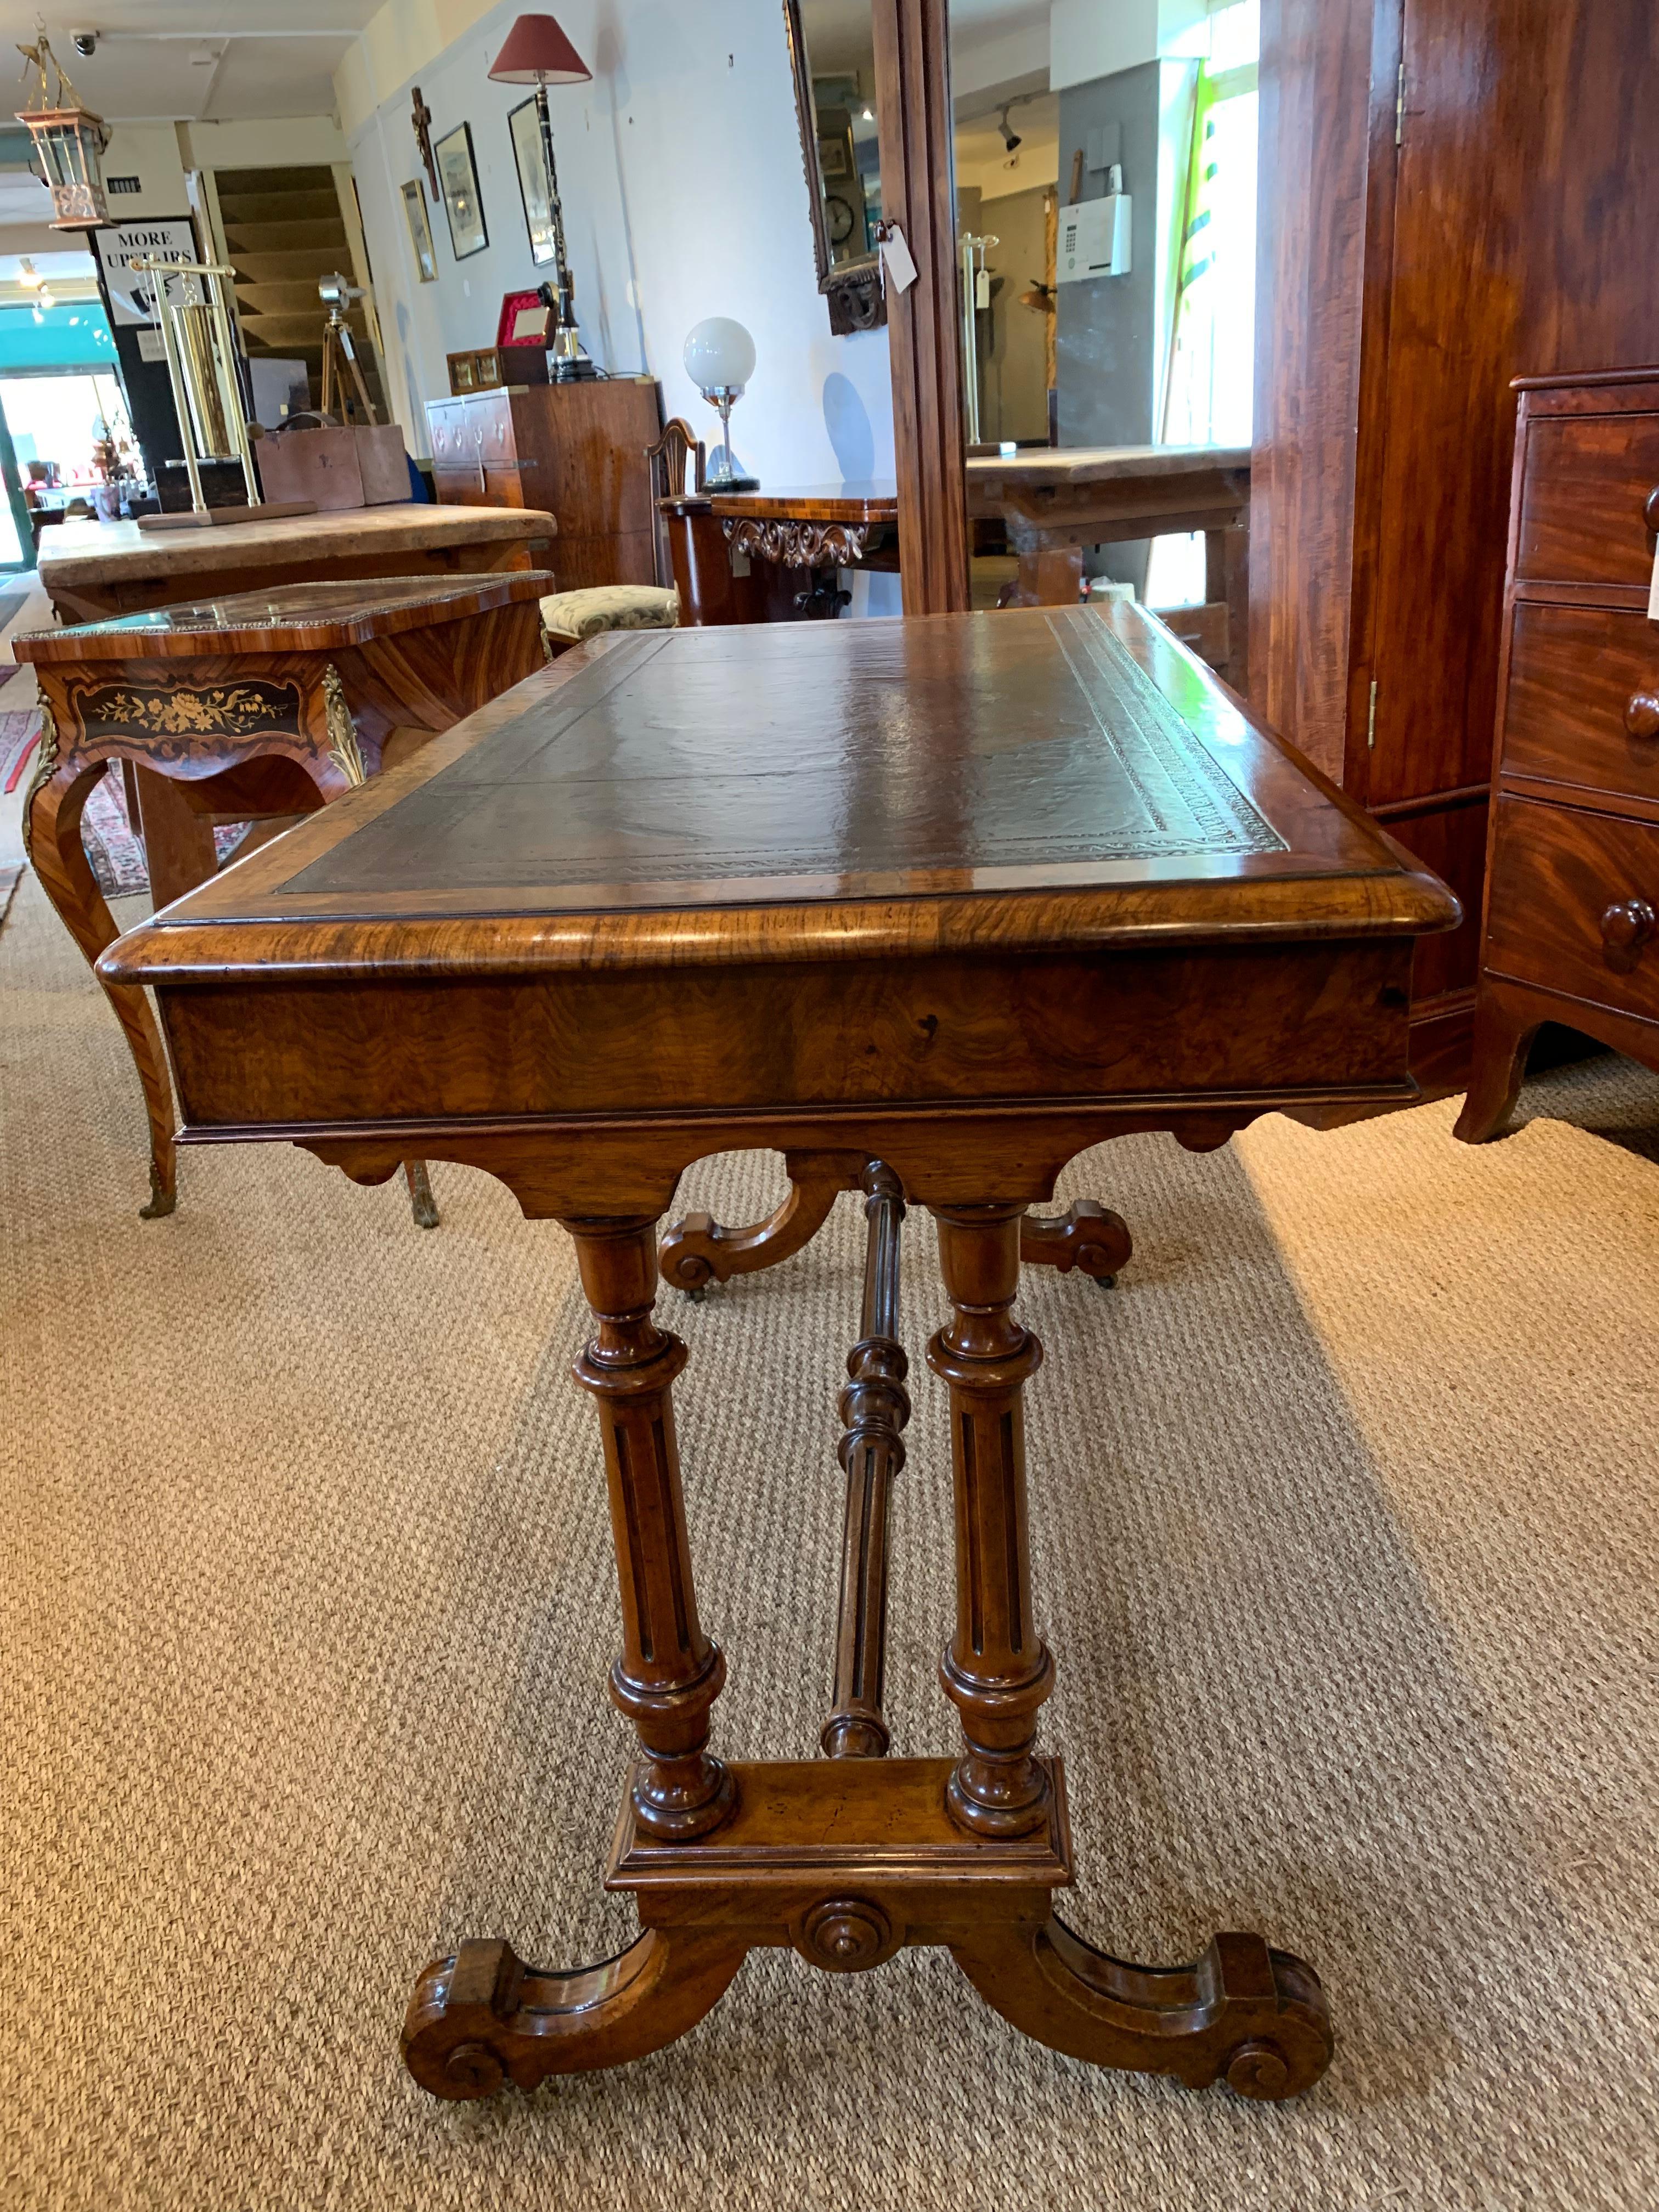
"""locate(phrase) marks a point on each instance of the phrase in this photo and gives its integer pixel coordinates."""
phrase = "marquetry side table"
(263, 704)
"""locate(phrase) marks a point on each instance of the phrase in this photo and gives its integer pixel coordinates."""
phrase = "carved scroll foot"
(483, 2017)
(1241, 2013)
(697, 1251)
(1087, 1236)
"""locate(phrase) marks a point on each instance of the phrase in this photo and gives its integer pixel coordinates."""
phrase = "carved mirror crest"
(832, 53)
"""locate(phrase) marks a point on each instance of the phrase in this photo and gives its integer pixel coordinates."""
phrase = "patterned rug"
(116, 853)
(19, 733)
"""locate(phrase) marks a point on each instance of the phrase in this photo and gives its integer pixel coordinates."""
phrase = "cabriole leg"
(51, 822)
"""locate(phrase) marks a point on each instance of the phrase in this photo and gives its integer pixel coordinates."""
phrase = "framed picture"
(458, 175)
(537, 193)
(420, 231)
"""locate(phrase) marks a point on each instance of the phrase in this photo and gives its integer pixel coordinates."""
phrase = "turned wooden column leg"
(875, 1407)
(51, 835)
(996, 1669)
(670, 1673)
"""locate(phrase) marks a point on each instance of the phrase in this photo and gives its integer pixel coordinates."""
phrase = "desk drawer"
(1583, 704)
(1574, 905)
(1583, 500)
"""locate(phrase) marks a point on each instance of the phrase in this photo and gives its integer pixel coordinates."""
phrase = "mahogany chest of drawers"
(1570, 923)
(577, 451)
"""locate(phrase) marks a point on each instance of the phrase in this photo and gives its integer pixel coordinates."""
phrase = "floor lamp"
(538, 53)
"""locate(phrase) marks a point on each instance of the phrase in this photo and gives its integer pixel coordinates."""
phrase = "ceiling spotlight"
(1010, 138)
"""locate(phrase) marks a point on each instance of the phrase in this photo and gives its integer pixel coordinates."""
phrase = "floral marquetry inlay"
(103, 711)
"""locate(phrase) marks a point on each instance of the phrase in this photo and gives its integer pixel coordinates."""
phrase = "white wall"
(148, 151)
(291, 142)
(680, 176)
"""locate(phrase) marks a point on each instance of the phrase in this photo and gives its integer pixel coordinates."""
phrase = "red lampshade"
(538, 53)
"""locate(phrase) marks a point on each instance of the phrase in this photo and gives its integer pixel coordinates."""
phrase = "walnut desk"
(261, 704)
(957, 897)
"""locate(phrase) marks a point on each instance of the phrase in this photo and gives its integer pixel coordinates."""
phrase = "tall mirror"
(832, 50)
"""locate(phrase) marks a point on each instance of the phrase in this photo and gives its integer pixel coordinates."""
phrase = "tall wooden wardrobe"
(1453, 193)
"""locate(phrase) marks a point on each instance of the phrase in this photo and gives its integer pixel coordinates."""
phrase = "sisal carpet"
(1344, 1511)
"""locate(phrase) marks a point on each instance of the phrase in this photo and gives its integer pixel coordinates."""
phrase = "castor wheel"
(1105, 1282)
(697, 1293)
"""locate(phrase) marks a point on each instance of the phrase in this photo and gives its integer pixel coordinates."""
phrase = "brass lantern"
(70, 142)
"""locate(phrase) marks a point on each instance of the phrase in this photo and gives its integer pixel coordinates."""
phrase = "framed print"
(538, 194)
(458, 175)
(420, 231)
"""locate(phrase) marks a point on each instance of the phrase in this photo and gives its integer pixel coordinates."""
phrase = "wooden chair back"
(667, 461)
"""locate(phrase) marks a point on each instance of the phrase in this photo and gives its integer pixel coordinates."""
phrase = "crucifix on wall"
(421, 119)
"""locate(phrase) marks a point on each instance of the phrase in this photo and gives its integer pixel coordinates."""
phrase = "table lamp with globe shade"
(720, 360)
(538, 53)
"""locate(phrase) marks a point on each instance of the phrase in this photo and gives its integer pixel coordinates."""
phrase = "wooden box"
(354, 465)
(477, 369)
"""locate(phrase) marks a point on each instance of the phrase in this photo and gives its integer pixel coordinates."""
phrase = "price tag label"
(1653, 590)
(897, 262)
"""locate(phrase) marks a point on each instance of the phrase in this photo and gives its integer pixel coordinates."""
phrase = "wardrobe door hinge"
(1400, 107)
(1370, 720)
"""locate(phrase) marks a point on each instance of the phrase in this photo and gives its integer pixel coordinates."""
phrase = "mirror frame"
(856, 295)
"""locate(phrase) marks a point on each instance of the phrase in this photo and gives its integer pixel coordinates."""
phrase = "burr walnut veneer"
(931, 905)
(261, 704)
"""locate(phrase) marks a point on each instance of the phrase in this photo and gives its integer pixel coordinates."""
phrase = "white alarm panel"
(1093, 240)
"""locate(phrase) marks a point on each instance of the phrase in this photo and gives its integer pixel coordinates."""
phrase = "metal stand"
(570, 362)
(338, 348)
(206, 394)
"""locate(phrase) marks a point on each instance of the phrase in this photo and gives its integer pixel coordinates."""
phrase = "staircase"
(283, 230)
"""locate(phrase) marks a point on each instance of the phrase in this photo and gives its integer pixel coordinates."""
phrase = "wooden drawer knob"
(1650, 510)
(1625, 930)
(1642, 715)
